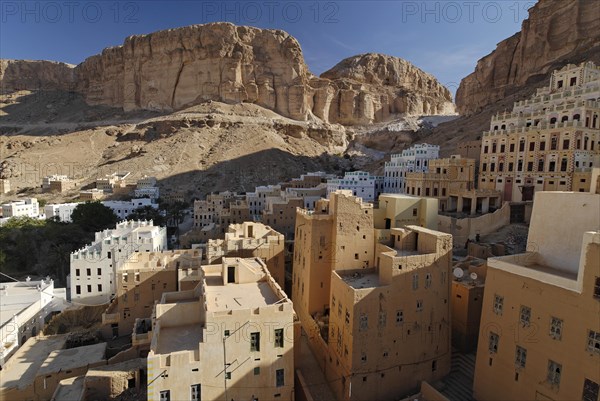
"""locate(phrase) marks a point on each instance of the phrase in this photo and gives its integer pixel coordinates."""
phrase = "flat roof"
(69, 389)
(22, 367)
(17, 296)
(179, 338)
(357, 280)
(221, 297)
(73, 358)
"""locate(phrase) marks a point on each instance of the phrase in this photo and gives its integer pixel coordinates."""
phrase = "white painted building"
(414, 159)
(361, 183)
(93, 268)
(24, 309)
(62, 211)
(124, 208)
(257, 200)
(27, 207)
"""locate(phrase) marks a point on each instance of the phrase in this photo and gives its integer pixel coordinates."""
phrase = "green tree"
(94, 216)
(148, 213)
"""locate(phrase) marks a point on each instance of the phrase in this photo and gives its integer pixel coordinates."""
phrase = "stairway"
(458, 385)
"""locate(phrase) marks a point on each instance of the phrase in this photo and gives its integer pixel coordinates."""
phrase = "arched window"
(503, 126)
(576, 117)
(565, 118)
(553, 120)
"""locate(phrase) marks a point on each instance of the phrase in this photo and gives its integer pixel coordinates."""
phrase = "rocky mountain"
(175, 68)
(557, 32)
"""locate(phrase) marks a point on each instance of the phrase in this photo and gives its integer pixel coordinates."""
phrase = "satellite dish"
(473, 276)
(458, 272)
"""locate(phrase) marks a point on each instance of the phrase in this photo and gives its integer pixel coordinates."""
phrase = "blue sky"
(444, 38)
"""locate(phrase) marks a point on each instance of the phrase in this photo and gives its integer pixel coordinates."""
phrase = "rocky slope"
(171, 69)
(557, 32)
(371, 87)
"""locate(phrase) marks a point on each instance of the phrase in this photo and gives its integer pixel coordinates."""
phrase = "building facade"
(443, 176)
(27, 207)
(354, 282)
(60, 211)
(549, 142)
(230, 338)
(413, 159)
(361, 184)
(25, 307)
(249, 240)
(93, 268)
(543, 341)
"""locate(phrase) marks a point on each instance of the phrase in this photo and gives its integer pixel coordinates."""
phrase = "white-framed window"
(554, 373)
(593, 343)
(556, 328)
(525, 315)
(195, 392)
(498, 304)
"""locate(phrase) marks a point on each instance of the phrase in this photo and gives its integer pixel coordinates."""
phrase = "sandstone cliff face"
(170, 69)
(557, 32)
(35, 75)
(370, 87)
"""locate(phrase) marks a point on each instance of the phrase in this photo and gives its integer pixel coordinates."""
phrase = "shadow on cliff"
(39, 113)
(243, 174)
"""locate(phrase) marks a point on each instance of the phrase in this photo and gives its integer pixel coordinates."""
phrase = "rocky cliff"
(557, 32)
(170, 69)
(371, 87)
(35, 75)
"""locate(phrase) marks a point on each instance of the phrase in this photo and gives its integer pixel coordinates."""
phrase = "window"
(493, 342)
(278, 338)
(255, 342)
(165, 395)
(520, 165)
(525, 315)
(257, 371)
(89, 288)
(554, 371)
(510, 166)
(593, 344)
(399, 317)
(565, 144)
(99, 271)
(590, 390)
(502, 148)
(195, 392)
(382, 319)
(356, 256)
(77, 272)
(556, 328)
(531, 146)
(99, 287)
(428, 280)
(541, 165)
(419, 305)
(522, 145)
(414, 211)
(498, 304)
(364, 322)
(542, 145)
(597, 288)
(512, 147)
(415, 281)
(553, 143)
(88, 272)
(563, 164)
(78, 289)
(347, 317)
(529, 166)
(520, 357)
(279, 378)
(228, 375)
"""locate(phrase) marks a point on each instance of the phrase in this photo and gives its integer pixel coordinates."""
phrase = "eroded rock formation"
(557, 32)
(169, 69)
